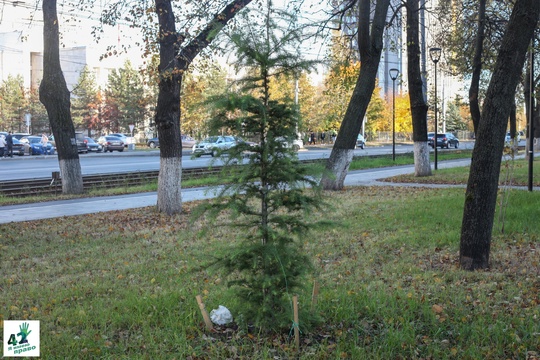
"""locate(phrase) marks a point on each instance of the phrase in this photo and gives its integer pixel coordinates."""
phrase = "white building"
(21, 44)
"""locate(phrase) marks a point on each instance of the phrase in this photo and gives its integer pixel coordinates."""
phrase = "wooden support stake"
(296, 322)
(314, 295)
(204, 313)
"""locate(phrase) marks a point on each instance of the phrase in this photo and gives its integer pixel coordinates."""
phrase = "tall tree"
(13, 102)
(471, 31)
(85, 104)
(481, 193)
(196, 88)
(474, 89)
(199, 27)
(298, 87)
(339, 82)
(54, 94)
(125, 89)
(175, 59)
(39, 122)
(417, 97)
(454, 120)
(370, 46)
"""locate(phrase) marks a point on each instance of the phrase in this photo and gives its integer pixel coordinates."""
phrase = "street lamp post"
(394, 73)
(435, 54)
(530, 125)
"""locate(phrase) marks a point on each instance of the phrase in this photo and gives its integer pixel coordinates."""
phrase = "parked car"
(187, 142)
(81, 144)
(214, 145)
(360, 142)
(508, 137)
(19, 136)
(92, 145)
(34, 146)
(111, 143)
(18, 147)
(296, 144)
(126, 139)
(153, 143)
(445, 140)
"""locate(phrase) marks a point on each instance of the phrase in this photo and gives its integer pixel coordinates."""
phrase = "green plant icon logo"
(24, 332)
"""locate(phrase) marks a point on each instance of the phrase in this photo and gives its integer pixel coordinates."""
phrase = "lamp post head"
(394, 73)
(435, 54)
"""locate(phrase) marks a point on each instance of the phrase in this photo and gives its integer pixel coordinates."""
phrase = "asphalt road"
(81, 206)
(42, 166)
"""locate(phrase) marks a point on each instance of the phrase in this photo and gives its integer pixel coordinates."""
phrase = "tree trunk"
(167, 117)
(54, 95)
(474, 89)
(419, 107)
(422, 166)
(482, 186)
(370, 47)
(173, 64)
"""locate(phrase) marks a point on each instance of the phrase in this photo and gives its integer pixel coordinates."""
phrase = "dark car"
(111, 143)
(153, 143)
(81, 144)
(18, 147)
(444, 140)
(126, 138)
(92, 145)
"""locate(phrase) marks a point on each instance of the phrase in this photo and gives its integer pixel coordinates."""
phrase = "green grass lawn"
(370, 162)
(122, 284)
(513, 173)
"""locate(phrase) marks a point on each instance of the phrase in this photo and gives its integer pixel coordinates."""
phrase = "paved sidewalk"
(81, 206)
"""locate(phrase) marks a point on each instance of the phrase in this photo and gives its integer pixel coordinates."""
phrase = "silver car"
(214, 145)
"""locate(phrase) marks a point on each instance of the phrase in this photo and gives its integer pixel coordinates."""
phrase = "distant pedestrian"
(9, 143)
(2, 146)
(312, 138)
(323, 136)
(44, 142)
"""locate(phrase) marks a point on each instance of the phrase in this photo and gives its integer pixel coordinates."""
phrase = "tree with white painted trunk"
(419, 107)
(370, 46)
(175, 58)
(54, 94)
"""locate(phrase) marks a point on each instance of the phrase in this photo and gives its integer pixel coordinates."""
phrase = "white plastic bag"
(221, 315)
